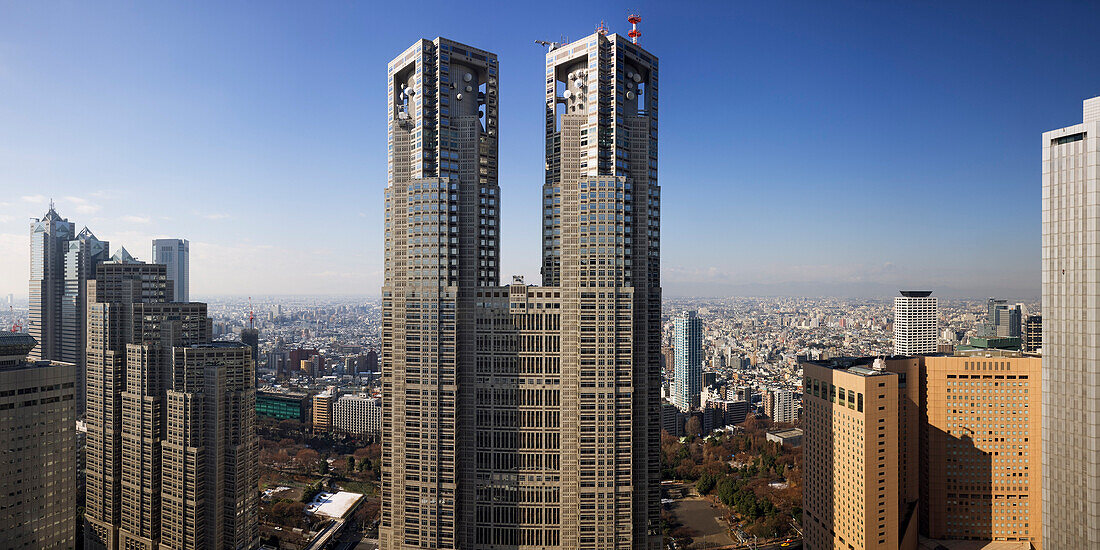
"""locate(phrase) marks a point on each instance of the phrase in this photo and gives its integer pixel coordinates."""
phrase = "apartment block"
(358, 414)
(321, 414)
(916, 322)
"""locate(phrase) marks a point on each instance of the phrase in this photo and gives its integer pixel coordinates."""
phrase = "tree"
(706, 483)
(694, 426)
(351, 464)
(307, 458)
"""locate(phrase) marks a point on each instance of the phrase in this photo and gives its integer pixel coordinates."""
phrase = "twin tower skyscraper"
(521, 416)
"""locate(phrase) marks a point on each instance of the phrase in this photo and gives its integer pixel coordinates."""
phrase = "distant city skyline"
(857, 151)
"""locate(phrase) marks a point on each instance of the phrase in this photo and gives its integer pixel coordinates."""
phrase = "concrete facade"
(175, 254)
(916, 322)
(1071, 358)
(962, 434)
(38, 437)
(510, 417)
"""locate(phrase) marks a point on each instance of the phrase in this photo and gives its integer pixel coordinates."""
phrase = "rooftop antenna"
(634, 33)
(15, 326)
(251, 317)
(550, 45)
(601, 29)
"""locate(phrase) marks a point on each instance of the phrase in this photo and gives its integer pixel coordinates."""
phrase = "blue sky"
(816, 146)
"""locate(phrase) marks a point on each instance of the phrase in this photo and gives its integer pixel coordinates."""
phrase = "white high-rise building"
(779, 403)
(1071, 359)
(358, 414)
(175, 253)
(916, 322)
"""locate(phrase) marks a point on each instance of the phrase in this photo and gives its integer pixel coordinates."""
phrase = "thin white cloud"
(136, 219)
(215, 216)
(34, 198)
(83, 206)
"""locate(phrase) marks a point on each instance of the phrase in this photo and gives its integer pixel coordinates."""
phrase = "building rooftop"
(916, 293)
(792, 432)
(16, 343)
(863, 366)
(333, 505)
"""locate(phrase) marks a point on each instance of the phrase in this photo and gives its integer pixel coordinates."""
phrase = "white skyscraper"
(1071, 359)
(915, 322)
(175, 253)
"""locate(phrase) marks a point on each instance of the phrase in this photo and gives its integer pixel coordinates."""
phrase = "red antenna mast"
(634, 33)
(15, 326)
(250, 315)
(601, 29)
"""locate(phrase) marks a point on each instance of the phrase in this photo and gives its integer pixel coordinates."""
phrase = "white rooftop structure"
(333, 505)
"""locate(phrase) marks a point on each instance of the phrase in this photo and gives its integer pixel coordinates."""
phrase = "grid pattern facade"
(851, 458)
(1071, 375)
(357, 414)
(601, 248)
(516, 416)
(175, 254)
(441, 245)
(916, 319)
(144, 476)
(38, 435)
(688, 347)
(962, 437)
(982, 455)
(208, 478)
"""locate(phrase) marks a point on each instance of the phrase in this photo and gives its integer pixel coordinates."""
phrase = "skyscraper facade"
(1071, 361)
(1002, 320)
(62, 263)
(688, 347)
(943, 446)
(175, 254)
(38, 438)
(170, 445)
(50, 236)
(916, 322)
(521, 416)
(1033, 334)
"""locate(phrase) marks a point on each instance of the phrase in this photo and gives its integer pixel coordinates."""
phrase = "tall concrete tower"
(521, 416)
(1071, 360)
(916, 321)
(601, 248)
(175, 254)
(441, 245)
(171, 443)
